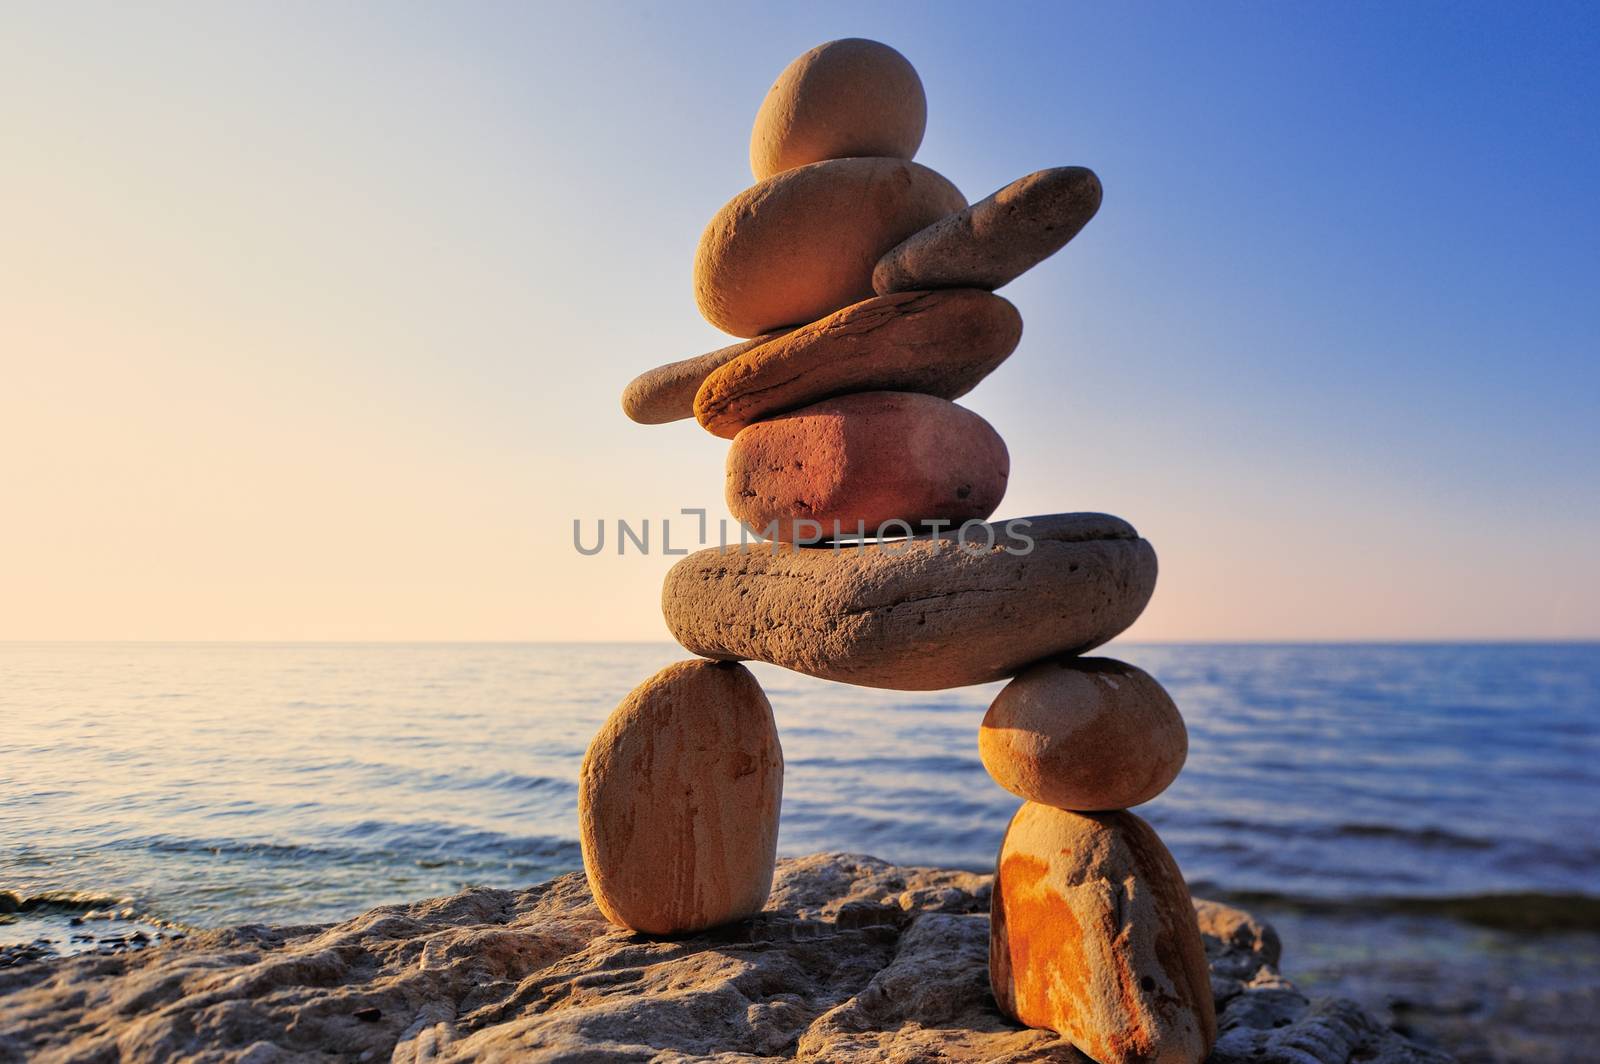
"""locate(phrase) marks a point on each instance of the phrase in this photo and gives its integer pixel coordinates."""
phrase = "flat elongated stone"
(848, 466)
(666, 393)
(996, 240)
(1084, 734)
(846, 98)
(1092, 935)
(802, 244)
(920, 614)
(937, 343)
(678, 801)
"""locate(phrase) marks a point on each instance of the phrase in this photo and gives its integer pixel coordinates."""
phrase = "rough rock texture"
(854, 960)
(846, 98)
(921, 614)
(1093, 936)
(851, 465)
(936, 343)
(995, 240)
(1084, 734)
(667, 392)
(801, 245)
(678, 801)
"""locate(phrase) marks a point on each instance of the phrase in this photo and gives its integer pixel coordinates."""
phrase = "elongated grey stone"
(918, 614)
(996, 240)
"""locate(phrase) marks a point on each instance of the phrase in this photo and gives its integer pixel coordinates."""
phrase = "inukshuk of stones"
(864, 283)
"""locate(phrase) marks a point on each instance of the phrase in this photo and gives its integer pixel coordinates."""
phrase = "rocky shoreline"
(852, 959)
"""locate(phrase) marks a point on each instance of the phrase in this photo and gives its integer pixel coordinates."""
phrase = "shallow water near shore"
(1418, 819)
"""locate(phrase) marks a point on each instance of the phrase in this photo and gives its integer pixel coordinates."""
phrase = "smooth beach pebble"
(937, 343)
(920, 614)
(841, 100)
(678, 801)
(846, 466)
(666, 393)
(1083, 734)
(803, 244)
(1092, 935)
(995, 240)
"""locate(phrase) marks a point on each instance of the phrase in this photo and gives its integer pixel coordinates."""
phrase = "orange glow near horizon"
(321, 336)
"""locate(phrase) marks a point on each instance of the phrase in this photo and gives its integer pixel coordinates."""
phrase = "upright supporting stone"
(1092, 935)
(678, 801)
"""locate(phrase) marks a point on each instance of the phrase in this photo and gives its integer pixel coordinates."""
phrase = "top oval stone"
(841, 100)
(802, 244)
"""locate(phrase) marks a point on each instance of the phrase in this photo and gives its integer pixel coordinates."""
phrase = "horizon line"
(1365, 641)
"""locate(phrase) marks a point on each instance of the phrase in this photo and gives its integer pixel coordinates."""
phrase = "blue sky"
(316, 316)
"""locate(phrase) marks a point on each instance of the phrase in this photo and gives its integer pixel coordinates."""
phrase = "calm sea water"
(223, 783)
(210, 784)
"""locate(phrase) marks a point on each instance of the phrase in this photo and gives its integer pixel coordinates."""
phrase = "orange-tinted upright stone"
(1092, 935)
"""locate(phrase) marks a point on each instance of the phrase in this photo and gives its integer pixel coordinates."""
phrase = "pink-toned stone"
(851, 465)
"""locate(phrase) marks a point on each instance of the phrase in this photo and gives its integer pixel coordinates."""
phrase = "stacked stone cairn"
(863, 284)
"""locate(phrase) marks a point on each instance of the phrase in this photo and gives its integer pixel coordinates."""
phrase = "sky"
(314, 318)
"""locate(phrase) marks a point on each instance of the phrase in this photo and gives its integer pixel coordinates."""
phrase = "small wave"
(392, 774)
(1421, 836)
(224, 847)
(1511, 911)
(1432, 837)
(501, 781)
(67, 901)
(370, 841)
(513, 781)
(921, 763)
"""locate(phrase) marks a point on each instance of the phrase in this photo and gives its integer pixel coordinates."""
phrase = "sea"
(1420, 821)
